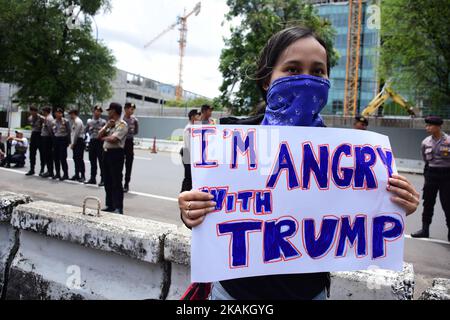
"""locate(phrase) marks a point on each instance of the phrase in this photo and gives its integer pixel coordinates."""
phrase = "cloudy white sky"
(132, 23)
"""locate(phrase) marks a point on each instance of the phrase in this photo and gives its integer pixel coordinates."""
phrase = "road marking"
(147, 195)
(153, 196)
(428, 240)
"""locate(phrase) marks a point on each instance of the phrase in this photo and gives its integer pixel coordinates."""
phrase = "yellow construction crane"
(182, 22)
(382, 97)
(353, 56)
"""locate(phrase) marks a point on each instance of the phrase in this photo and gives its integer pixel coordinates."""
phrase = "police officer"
(78, 146)
(20, 143)
(36, 122)
(436, 154)
(113, 134)
(47, 141)
(61, 140)
(361, 123)
(133, 129)
(93, 126)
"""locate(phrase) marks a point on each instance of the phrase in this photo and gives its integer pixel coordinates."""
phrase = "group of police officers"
(110, 144)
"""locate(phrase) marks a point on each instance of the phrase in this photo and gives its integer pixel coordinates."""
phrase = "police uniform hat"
(60, 110)
(116, 107)
(73, 111)
(434, 120)
(362, 119)
(130, 105)
(98, 108)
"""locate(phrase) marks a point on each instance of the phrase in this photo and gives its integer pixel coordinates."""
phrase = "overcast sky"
(132, 23)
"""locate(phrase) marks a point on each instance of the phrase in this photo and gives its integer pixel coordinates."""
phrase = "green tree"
(415, 51)
(253, 23)
(193, 103)
(51, 62)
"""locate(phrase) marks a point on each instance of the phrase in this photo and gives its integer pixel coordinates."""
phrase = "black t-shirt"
(278, 287)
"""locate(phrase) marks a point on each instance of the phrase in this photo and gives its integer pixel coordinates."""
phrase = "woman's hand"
(405, 195)
(194, 206)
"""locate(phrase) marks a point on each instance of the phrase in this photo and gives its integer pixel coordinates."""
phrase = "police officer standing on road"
(78, 146)
(61, 140)
(436, 154)
(114, 135)
(93, 127)
(133, 129)
(47, 142)
(36, 121)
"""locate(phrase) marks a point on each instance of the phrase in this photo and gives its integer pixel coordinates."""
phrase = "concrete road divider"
(373, 284)
(66, 255)
(177, 250)
(439, 291)
(8, 236)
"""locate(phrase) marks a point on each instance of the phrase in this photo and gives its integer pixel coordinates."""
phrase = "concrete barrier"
(53, 251)
(373, 284)
(8, 236)
(177, 250)
(66, 255)
(440, 290)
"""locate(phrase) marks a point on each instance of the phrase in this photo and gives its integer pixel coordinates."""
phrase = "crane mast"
(353, 57)
(182, 22)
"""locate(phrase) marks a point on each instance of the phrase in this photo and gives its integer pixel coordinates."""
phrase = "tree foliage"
(51, 63)
(253, 23)
(193, 103)
(415, 51)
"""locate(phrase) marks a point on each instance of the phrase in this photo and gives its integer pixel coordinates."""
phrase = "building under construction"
(354, 79)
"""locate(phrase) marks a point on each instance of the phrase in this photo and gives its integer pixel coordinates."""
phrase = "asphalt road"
(155, 185)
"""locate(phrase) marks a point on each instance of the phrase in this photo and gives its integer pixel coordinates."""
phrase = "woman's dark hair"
(276, 45)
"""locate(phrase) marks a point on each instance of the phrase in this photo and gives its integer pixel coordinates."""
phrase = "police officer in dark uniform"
(36, 122)
(133, 129)
(61, 141)
(93, 127)
(361, 123)
(436, 154)
(113, 135)
(47, 141)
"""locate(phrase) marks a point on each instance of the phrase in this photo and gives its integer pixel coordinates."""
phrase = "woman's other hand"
(404, 193)
(194, 206)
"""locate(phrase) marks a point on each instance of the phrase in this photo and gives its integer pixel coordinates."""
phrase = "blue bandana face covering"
(296, 101)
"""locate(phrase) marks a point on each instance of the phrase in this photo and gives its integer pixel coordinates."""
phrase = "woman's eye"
(293, 70)
(319, 72)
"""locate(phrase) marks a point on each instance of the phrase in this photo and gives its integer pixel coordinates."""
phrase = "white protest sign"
(293, 200)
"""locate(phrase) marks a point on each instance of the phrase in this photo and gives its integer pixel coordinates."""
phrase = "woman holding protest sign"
(293, 73)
